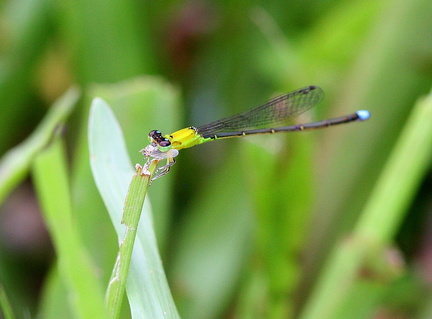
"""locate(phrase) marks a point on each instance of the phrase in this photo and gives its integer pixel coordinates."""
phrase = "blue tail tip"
(363, 115)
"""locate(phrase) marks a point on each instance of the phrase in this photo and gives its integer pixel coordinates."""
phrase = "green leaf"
(75, 266)
(147, 288)
(15, 163)
(5, 306)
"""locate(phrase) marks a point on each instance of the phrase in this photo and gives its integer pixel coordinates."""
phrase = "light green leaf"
(147, 288)
(15, 163)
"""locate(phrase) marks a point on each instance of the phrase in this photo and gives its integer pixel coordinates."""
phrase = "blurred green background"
(244, 226)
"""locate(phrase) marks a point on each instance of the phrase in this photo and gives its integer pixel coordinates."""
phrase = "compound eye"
(164, 145)
(154, 135)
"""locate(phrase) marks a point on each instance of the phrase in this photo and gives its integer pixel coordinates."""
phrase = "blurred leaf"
(15, 163)
(212, 245)
(75, 267)
(106, 38)
(382, 215)
(384, 79)
(51, 301)
(280, 181)
(29, 23)
(5, 306)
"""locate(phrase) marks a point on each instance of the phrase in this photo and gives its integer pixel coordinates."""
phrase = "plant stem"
(131, 216)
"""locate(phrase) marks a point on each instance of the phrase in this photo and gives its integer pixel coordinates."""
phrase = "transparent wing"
(277, 111)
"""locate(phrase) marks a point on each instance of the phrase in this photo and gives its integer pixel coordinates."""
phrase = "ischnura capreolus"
(277, 111)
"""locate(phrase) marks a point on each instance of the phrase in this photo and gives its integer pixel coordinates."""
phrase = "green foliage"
(304, 225)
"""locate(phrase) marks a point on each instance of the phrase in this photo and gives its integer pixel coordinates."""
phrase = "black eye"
(154, 133)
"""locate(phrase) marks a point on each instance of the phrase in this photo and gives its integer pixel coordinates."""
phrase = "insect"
(264, 119)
